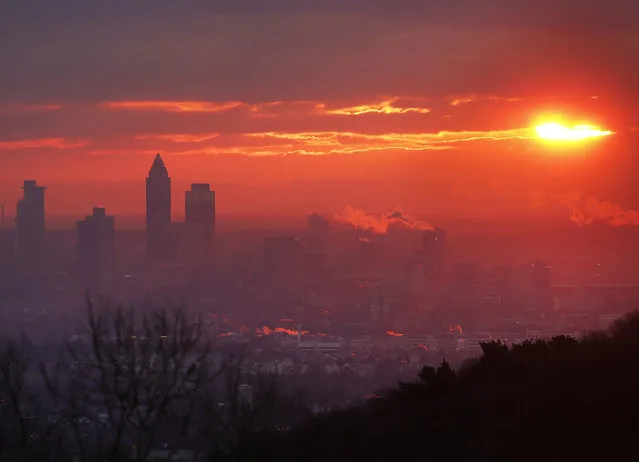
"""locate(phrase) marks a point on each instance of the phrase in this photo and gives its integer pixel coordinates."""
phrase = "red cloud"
(42, 107)
(315, 143)
(472, 98)
(58, 143)
(174, 106)
(121, 152)
(29, 107)
(388, 106)
(180, 137)
(350, 142)
(272, 108)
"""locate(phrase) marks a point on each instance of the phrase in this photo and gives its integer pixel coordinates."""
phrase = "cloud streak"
(122, 152)
(41, 143)
(174, 106)
(474, 98)
(180, 137)
(318, 143)
(335, 141)
(388, 107)
(28, 108)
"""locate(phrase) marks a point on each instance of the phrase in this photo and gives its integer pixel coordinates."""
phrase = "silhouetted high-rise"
(96, 252)
(30, 229)
(158, 213)
(200, 220)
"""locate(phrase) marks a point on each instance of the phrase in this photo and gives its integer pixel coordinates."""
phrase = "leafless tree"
(25, 434)
(15, 428)
(133, 384)
(234, 410)
(137, 382)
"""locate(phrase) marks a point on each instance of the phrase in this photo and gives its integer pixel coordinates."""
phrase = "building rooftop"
(31, 184)
(201, 187)
(158, 166)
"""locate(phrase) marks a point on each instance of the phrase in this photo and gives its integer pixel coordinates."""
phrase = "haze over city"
(336, 230)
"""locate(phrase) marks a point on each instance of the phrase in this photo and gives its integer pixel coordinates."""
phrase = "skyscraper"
(30, 228)
(158, 213)
(96, 252)
(200, 221)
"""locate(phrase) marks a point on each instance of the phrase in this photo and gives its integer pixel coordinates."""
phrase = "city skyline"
(158, 212)
(161, 211)
(318, 229)
(436, 114)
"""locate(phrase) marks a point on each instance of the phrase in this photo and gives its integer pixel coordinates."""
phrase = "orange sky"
(434, 115)
(464, 154)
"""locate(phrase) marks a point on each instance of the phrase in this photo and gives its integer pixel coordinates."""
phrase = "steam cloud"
(359, 219)
(587, 211)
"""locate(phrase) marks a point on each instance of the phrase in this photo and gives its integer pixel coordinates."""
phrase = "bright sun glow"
(557, 132)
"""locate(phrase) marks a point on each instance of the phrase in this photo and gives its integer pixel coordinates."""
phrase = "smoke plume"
(359, 219)
(587, 211)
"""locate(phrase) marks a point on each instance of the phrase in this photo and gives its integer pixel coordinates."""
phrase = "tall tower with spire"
(158, 212)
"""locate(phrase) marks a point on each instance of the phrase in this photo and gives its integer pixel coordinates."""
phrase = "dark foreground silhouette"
(558, 400)
(138, 391)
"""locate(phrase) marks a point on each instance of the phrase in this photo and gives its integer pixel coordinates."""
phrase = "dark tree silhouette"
(139, 382)
(562, 399)
(142, 382)
(16, 429)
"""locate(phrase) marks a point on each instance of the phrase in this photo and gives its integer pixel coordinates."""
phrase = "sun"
(557, 132)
